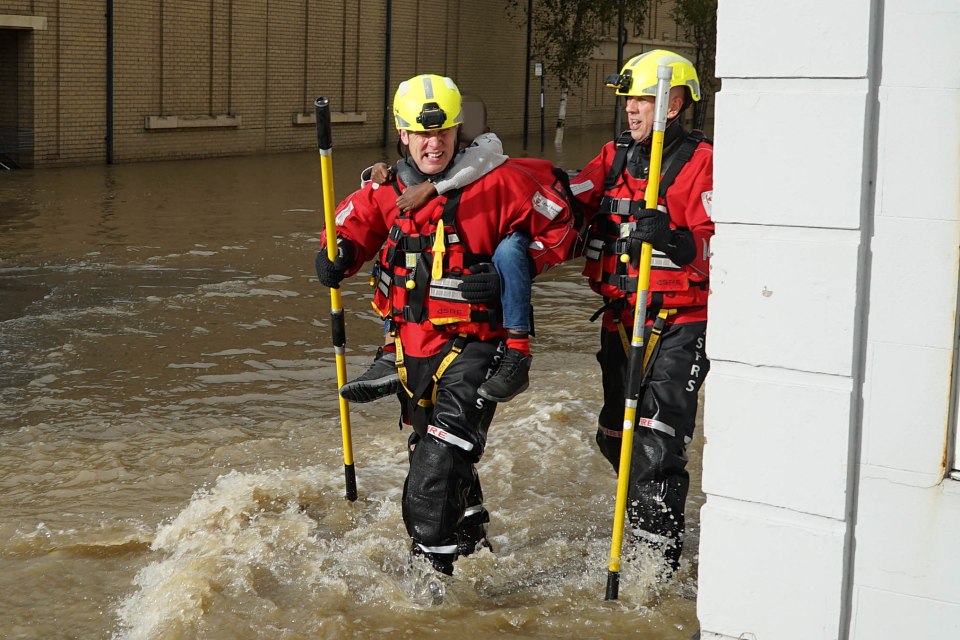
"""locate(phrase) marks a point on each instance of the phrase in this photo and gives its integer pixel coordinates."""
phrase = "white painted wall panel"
(786, 152)
(919, 156)
(913, 292)
(907, 538)
(800, 423)
(915, 617)
(788, 302)
(817, 38)
(921, 47)
(769, 572)
(906, 408)
(783, 297)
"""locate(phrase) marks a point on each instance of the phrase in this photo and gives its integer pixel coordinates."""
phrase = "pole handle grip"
(321, 108)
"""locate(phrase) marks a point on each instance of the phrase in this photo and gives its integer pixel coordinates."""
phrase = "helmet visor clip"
(431, 116)
(620, 82)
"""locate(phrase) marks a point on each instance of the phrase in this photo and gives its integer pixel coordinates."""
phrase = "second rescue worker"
(446, 345)
(613, 186)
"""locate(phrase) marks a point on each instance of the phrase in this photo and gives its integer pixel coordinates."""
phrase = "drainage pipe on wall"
(109, 124)
(386, 71)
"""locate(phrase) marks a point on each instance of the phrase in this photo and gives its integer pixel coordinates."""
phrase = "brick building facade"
(93, 81)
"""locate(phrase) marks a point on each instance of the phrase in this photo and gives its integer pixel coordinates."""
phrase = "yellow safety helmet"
(427, 102)
(639, 75)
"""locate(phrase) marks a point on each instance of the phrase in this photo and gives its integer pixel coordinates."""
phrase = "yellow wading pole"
(637, 343)
(339, 331)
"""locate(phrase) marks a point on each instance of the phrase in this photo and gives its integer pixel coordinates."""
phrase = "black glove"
(331, 273)
(682, 248)
(653, 226)
(481, 284)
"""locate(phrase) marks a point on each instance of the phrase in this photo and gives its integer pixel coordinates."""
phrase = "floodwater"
(171, 461)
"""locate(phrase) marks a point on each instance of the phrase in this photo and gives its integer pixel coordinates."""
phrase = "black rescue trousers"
(442, 498)
(666, 417)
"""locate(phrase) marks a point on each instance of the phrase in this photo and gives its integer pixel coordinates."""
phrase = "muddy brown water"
(171, 457)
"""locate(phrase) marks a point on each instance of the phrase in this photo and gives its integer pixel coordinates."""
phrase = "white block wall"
(829, 511)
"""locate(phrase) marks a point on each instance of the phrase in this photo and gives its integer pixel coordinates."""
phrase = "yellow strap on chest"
(438, 248)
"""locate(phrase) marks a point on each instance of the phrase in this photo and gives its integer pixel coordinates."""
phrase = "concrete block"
(777, 437)
(913, 282)
(883, 614)
(819, 38)
(768, 572)
(903, 172)
(786, 151)
(783, 298)
(906, 416)
(907, 538)
(927, 61)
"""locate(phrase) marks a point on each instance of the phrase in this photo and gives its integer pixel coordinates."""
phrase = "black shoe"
(510, 380)
(472, 534)
(440, 562)
(424, 580)
(379, 381)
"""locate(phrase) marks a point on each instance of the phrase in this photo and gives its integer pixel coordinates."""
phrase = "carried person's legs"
(380, 379)
(512, 263)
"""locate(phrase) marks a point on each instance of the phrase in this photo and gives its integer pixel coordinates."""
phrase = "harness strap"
(676, 160)
(658, 326)
(454, 349)
(620, 206)
(624, 144)
(670, 171)
(414, 310)
(610, 303)
(427, 264)
(624, 338)
(655, 333)
(401, 366)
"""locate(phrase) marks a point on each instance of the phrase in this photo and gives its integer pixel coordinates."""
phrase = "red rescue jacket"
(687, 201)
(522, 195)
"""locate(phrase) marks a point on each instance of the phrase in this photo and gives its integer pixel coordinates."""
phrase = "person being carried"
(513, 269)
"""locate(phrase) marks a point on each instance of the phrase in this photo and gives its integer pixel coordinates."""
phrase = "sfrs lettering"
(693, 383)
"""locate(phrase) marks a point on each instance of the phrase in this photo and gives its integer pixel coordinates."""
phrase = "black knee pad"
(435, 492)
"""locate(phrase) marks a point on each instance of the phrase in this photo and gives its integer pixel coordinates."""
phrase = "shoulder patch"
(577, 189)
(545, 206)
(707, 199)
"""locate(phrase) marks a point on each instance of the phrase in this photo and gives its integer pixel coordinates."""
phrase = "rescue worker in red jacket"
(613, 185)
(448, 336)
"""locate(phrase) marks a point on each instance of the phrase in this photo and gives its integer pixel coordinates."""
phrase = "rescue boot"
(657, 522)
(379, 381)
(510, 380)
(424, 579)
(472, 533)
